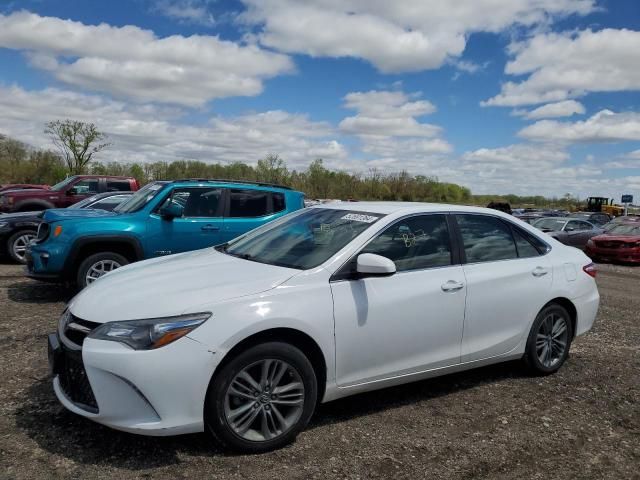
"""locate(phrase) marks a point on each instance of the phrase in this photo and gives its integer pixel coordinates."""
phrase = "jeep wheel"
(97, 265)
(18, 243)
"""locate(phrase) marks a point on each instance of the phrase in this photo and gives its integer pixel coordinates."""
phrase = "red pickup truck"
(65, 193)
(20, 186)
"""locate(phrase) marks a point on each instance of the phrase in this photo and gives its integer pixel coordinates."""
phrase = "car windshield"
(549, 224)
(302, 240)
(58, 187)
(625, 229)
(85, 202)
(140, 198)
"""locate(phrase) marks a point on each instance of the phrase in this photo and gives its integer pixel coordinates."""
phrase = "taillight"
(590, 270)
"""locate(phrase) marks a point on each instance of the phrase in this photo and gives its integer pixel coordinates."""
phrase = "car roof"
(387, 208)
(231, 183)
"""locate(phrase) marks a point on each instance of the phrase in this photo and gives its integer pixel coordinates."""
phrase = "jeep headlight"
(150, 333)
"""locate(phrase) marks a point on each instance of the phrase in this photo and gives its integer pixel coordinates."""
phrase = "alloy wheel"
(264, 400)
(99, 269)
(551, 340)
(20, 245)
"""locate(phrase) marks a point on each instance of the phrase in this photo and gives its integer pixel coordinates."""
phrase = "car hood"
(61, 214)
(617, 238)
(27, 192)
(19, 215)
(174, 285)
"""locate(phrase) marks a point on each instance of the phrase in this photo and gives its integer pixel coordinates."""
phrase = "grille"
(73, 380)
(611, 244)
(43, 232)
(77, 329)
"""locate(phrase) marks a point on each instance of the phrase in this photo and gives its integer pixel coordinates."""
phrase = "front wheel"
(17, 244)
(261, 399)
(97, 265)
(549, 340)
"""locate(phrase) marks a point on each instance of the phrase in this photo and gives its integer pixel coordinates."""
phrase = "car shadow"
(60, 432)
(39, 292)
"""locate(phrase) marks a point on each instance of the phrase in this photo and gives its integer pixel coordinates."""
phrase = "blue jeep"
(78, 246)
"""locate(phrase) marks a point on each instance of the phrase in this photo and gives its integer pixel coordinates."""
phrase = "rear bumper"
(587, 310)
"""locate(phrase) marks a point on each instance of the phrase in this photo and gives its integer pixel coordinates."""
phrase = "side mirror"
(72, 191)
(370, 264)
(171, 211)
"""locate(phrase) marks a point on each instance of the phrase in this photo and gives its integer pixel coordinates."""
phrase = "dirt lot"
(583, 422)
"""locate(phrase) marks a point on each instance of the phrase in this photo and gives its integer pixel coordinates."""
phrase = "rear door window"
(486, 238)
(118, 186)
(248, 203)
(196, 202)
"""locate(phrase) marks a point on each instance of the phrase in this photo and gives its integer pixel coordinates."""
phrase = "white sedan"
(245, 339)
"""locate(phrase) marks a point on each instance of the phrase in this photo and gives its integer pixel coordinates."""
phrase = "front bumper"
(44, 265)
(153, 392)
(630, 255)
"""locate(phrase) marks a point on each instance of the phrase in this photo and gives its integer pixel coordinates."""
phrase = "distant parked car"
(65, 193)
(18, 229)
(619, 220)
(621, 243)
(21, 186)
(162, 218)
(597, 218)
(568, 230)
(500, 206)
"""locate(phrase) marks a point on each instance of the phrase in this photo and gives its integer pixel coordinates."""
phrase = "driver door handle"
(539, 272)
(209, 228)
(452, 286)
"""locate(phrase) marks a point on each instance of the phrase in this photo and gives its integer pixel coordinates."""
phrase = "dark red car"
(21, 186)
(65, 193)
(620, 244)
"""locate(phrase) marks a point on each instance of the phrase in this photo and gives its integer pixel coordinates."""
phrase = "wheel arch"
(304, 342)
(569, 307)
(33, 204)
(126, 246)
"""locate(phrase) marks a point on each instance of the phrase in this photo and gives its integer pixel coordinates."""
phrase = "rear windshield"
(625, 229)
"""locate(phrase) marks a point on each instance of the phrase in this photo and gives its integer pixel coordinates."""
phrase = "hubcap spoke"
(264, 400)
(100, 268)
(551, 340)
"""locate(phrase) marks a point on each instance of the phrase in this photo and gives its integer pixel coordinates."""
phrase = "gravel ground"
(495, 422)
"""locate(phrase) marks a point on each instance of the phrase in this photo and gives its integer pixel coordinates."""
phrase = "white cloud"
(390, 133)
(565, 108)
(194, 12)
(569, 65)
(401, 36)
(604, 126)
(630, 160)
(144, 133)
(131, 62)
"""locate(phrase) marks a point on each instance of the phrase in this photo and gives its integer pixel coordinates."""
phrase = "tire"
(17, 244)
(549, 340)
(107, 260)
(290, 409)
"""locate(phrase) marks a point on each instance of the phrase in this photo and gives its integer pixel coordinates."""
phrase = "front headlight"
(150, 333)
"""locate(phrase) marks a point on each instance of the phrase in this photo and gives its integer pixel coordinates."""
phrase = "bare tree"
(77, 141)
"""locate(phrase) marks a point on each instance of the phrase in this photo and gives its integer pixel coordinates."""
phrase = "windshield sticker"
(355, 217)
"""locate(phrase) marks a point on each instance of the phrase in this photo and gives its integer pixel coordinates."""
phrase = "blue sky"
(513, 96)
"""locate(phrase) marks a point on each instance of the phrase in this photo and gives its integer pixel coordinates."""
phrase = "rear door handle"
(452, 286)
(539, 272)
(209, 228)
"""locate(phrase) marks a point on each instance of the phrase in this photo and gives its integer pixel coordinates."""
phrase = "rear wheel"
(549, 340)
(262, 399)
(97, 265)
(17, 244)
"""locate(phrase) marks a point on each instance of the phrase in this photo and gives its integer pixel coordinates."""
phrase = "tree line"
(21, 164)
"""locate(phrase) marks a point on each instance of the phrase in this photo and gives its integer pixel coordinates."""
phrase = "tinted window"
(524, 244)
(278, 202)
(118, 186)
(196, 202)
(486, 238)
(248, 203)
(414, 243)
(86, 187)
(577, 225)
